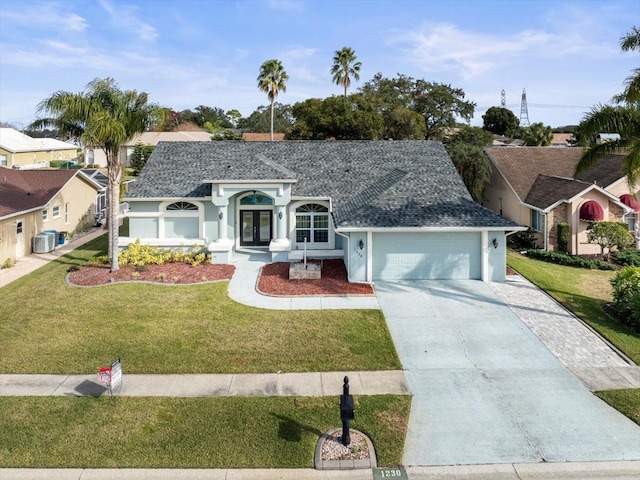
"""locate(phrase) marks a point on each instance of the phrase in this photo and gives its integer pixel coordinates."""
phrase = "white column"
(222, 222)
(484, 240)
(281, 223)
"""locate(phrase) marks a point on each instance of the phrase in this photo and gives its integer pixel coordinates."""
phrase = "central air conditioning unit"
(44, 243)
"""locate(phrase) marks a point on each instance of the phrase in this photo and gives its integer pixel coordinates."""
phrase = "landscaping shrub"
(626, 296)
(138, 255)
(629, 257)
(9, 262)
(563, 237)
(521, 240)
(569, 260)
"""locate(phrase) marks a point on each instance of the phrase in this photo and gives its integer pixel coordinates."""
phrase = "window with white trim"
(66, 213)
(182, 206)
(55, 212)
(45, 215)
(536, 220)
(312, 223)
(3, 160)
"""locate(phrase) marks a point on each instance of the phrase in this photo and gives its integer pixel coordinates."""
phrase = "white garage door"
(426, 256)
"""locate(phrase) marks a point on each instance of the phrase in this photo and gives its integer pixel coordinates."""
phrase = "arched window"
(182, 206)
(256, 199)
(312, 223)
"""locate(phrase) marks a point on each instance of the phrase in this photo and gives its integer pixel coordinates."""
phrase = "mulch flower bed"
(274, 280)
(168, 273)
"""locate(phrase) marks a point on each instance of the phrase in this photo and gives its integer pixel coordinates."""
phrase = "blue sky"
(186, 53)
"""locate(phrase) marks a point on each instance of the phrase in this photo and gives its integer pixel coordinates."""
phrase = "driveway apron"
(486, 390)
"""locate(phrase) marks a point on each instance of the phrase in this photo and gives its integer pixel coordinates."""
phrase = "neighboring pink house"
(534, 186)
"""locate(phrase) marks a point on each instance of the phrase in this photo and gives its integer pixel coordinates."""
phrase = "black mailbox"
(346, 411)
(346, 407)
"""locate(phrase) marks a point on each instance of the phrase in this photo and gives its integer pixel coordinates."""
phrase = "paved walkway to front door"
(486, 389)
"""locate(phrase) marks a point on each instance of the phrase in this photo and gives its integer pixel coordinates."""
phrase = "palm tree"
(623, 118)
(344, 67)
(537, 135)
(272, 80)
(629, 43)
(102, 116)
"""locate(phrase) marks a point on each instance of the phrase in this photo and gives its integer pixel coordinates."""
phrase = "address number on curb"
(391, 472)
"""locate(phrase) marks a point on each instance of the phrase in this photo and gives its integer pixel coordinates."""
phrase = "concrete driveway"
(486, 390)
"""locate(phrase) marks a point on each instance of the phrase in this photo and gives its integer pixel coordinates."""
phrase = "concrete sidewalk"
(510, 471)
(211, 385)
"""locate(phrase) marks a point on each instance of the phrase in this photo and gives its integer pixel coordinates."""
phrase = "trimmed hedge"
(563, 237)
(629, 257)
(569, 260)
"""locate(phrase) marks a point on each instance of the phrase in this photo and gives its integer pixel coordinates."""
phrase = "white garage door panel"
(425, 256)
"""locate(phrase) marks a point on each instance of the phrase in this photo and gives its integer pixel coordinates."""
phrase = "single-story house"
(32, 201)
(18, 150)
(390, 210)
(96, 156)
(262, 137)
(534, 186)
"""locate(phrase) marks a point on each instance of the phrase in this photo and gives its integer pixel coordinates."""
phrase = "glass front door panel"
(265, 228)
(247, 228)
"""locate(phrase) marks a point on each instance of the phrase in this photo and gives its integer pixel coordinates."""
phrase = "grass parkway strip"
(126, 432)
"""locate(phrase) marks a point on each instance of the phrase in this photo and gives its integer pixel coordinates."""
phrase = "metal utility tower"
(524, 111)
(503, 99)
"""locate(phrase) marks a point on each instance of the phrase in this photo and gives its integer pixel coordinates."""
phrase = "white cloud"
(46, 16)
(125, 18)
(445, 47)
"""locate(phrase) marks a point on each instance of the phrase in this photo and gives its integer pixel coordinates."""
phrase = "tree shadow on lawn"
(291, 430)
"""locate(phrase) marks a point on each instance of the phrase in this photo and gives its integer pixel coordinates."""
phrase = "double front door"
(256, 228)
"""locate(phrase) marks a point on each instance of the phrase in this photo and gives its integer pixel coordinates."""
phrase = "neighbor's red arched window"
(591, 211)
(629, 201)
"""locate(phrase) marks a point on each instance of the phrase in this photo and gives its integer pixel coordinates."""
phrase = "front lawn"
(626, 402)
(47, 326)
(128, 432)
(582, 291)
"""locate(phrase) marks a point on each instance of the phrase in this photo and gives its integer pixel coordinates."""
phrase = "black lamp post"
(346, 411)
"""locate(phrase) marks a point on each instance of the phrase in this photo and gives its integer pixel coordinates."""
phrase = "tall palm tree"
(623, 118)
(344, 67)
(272, 80)
(102, 116)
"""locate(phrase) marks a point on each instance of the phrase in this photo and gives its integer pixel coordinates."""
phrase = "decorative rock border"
(347, 464)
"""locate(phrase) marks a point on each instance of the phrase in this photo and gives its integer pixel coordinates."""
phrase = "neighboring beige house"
(18, 150)
(96, 155)
(32, 201)
(262, 137)
(534, 186)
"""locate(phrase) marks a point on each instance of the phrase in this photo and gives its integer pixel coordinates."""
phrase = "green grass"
(626, 402)
(47, 326)
(582, 291)
(128, 432)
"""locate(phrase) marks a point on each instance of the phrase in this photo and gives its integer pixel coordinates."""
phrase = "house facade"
(21, 151)
(534, 186)
(32, 201)
(390, 210)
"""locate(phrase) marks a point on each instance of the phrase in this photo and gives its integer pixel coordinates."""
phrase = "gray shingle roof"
(371, 183)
